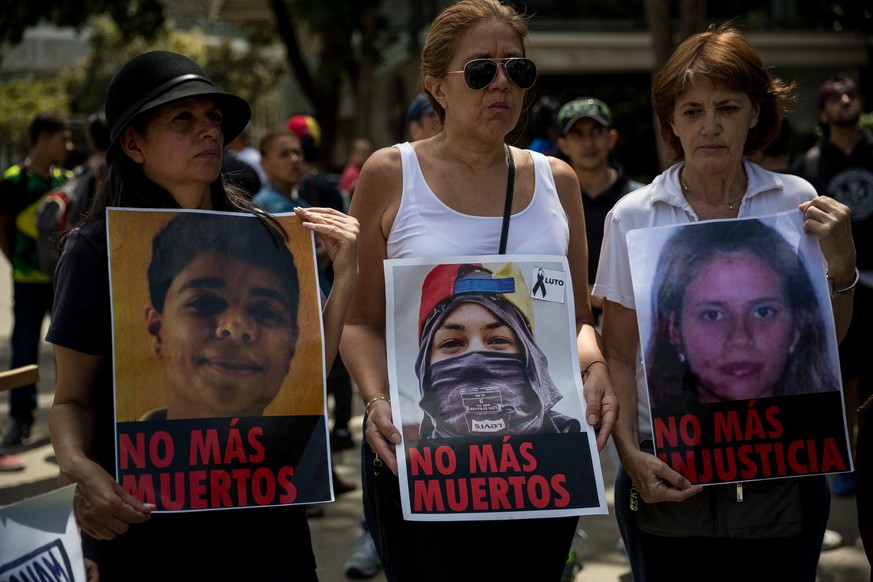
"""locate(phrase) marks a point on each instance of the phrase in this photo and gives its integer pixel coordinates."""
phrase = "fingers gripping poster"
(740, 349)
(485, 385)
(219, 368)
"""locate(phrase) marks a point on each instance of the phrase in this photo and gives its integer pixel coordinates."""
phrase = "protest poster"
(485, 384)
(740, 349)
(39, 539)
(220, 397)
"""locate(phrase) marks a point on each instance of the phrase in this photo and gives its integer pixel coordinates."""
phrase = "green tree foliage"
(81, 89)
(249, 73)
(19, 102)
(349, 36)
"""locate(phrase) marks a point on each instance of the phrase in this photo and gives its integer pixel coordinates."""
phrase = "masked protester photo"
(480, 369)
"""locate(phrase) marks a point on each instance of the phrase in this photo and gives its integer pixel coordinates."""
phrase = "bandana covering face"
(484, 393)
(480, 393)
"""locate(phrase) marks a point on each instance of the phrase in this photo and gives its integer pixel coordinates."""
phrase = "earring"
(682, 358)
(156, 347)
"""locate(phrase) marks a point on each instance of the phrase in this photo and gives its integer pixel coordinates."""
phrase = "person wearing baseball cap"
(587, 139)
(479, 367)
(840, 165)
(423, 120)
(169, 124)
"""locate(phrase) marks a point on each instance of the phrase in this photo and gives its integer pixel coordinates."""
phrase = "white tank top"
(426, 227)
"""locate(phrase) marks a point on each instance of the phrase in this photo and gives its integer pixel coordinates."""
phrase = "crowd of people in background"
(740, 106)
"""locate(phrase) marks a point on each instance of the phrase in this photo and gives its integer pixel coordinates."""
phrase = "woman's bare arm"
(102, 508)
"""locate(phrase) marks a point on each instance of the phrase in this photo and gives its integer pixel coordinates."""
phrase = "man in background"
(840, 165)
(21, 192)
(64, 207)
(587, 138)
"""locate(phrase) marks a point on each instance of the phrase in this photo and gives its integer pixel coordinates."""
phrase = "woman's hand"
(655, 480)
(831, 222)
(601, 410)
(102, 508)
(339, 233)
(381, 434)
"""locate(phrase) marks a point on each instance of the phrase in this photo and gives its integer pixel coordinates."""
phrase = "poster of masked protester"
(219, 368)
(485, 384)
(740, 349)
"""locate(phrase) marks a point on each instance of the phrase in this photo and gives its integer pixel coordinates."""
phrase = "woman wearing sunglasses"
(445, 196)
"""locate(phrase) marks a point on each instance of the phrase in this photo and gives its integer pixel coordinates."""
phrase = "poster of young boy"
(219, 367)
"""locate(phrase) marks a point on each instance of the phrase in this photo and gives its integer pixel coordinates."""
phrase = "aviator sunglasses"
(479, 73)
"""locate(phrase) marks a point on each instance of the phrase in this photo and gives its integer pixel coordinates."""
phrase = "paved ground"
(335, 532)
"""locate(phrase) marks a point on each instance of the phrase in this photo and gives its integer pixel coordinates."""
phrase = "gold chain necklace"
(730, 203)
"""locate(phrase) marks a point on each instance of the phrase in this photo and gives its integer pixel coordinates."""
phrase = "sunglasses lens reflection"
(479, 73)
(522, 72)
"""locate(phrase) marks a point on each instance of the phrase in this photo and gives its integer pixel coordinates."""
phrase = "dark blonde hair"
(722, 54)
(446, 30)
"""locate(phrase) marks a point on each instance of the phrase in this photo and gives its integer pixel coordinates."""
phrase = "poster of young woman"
(485, 385)
(218, 361)
(740, 349)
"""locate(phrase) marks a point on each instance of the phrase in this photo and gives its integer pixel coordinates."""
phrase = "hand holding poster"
(490, 403)
(740, 349)
(219, 379)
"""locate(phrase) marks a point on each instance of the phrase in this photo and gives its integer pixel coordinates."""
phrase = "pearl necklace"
(730, 203)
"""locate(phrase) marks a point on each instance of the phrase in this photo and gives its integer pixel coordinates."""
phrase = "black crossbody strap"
(507, 209)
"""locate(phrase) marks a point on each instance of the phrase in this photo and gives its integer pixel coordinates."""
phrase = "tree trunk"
(658, 20)
(369, 16)
(692, 18)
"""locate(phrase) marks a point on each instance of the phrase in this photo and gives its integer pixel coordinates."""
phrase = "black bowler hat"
(158, 77)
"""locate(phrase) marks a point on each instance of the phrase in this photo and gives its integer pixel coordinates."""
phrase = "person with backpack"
(169, 124)
(840, 165)
(21, 191)
(62, 208)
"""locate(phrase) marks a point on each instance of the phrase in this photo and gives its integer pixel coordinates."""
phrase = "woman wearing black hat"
(168, 125)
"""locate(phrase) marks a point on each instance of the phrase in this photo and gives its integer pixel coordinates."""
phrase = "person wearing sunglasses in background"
(445, 196)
